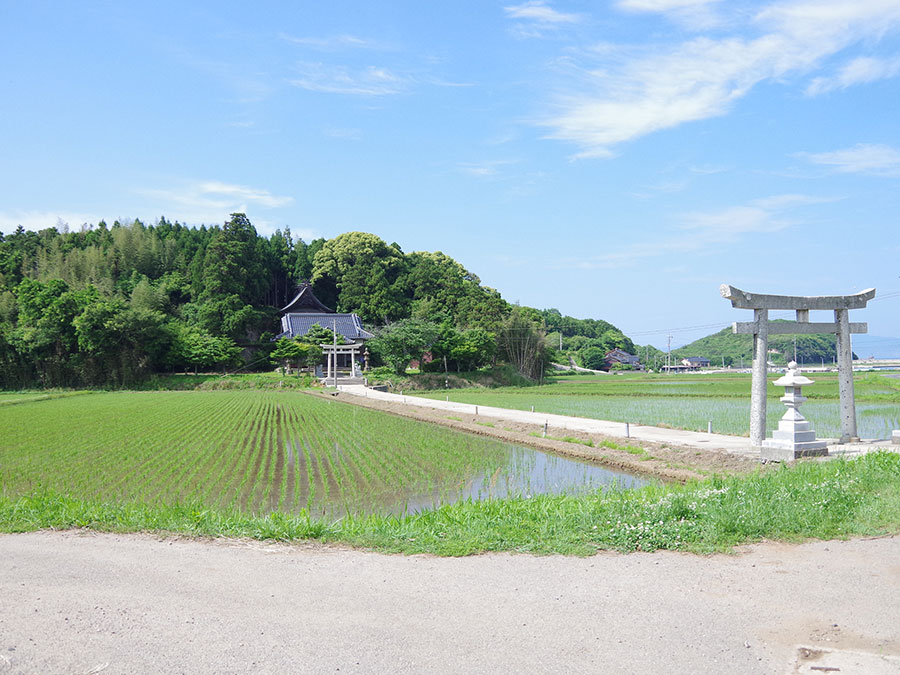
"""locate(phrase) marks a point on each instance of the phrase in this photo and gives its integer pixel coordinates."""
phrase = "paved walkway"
(736, 445)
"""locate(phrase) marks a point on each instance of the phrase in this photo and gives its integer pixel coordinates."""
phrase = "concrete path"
(736, 445)
(99, 603)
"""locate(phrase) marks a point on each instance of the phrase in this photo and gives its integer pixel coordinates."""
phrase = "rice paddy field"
(256, 452)
(692, 401)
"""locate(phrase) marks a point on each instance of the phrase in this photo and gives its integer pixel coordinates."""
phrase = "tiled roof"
(306, 301)
(347, 325)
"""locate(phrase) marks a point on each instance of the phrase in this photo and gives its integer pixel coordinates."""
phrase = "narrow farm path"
(81, 602)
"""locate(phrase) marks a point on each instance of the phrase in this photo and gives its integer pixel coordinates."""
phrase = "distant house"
(305, 310)
(695, 362)
(621, 356)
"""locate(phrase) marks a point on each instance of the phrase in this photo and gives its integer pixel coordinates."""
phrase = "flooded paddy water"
(262, 451)
(512, 471)
(695, 413)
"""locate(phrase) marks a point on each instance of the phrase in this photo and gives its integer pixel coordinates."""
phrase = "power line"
(680, 330)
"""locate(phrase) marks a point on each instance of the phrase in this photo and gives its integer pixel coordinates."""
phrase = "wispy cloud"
(695, 14)
(366, 81)
(877, 160)
(726, 224)
(344, 133)
(536, 17)
(858, 71)
(40, 220)
(333, 43)
(706, 231)
(629, 93)
(210, 201)
(486, 169)
(662, 5)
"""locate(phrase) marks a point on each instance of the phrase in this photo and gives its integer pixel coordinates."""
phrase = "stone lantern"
(794, 437)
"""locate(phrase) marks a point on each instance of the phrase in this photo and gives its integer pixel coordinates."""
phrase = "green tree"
(521, 343)
(295, 352)
(475, 348)
(593, 358)
(120, 345)
(403, 341)
(358, 272)
(200, 349)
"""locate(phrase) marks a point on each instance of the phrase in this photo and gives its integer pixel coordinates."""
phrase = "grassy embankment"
(810, 500)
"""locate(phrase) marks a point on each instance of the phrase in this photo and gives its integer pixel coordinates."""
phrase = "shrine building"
(306, 310)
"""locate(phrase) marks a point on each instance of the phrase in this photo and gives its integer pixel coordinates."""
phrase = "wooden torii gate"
(761, 328)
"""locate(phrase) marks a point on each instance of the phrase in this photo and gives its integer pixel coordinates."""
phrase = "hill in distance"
(738, 348)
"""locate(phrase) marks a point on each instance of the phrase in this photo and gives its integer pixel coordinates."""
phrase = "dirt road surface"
(76, 602)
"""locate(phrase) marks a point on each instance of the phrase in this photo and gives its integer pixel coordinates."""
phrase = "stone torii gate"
(761, 328)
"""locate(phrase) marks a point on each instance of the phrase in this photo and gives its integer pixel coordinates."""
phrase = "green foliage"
(297, 352)
(152, 280)
(520, 342)
(358, 272)
(317, 335)
(813, 349)
(200, 349)
(403, 341)
(593, 358)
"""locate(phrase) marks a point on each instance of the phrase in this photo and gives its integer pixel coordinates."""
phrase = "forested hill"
(112, 304)
(736, 349)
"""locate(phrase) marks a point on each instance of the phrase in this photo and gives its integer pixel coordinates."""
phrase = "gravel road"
(76, 602)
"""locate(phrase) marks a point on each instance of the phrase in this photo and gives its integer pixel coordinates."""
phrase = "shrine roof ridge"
(744, 300)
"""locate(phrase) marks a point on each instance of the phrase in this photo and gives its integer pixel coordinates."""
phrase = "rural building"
(621, 356)
(305, 311)
(695, 362)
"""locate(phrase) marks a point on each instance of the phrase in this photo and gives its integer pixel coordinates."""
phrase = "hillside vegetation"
(738, 348)
(115, 305)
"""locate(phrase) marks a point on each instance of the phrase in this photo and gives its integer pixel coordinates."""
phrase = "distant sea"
(876, 346)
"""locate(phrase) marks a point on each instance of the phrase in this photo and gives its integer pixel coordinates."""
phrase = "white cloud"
(662, 5)
(788, 200)
(536, 10)
(694, 14)
(41, 220)
(245, 194)
(633, 93)
(706, 231)
(368, 81)
(485, 169)
(879, 160)
(726, 224)
(535, 18)
(332, 43)
(858, 71)
(210, 201)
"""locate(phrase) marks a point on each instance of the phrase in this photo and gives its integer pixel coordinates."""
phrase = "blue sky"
(614, 160)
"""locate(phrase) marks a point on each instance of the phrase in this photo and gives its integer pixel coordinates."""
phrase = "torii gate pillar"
(761, 328)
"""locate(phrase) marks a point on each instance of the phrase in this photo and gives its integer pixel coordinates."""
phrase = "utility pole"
(669, 355)
(795, 349)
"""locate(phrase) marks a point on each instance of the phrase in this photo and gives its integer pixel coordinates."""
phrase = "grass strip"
(822, 500)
